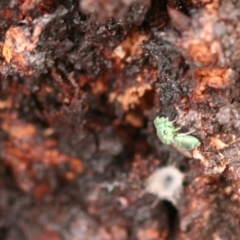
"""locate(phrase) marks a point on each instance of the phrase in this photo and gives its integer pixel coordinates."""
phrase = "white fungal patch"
(166, 183)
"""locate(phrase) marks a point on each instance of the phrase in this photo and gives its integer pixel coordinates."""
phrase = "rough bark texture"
(80, 85)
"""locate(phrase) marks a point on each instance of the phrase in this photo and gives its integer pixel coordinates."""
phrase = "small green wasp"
(169, 135)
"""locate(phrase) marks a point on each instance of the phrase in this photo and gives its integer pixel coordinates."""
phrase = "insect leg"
(185, 134)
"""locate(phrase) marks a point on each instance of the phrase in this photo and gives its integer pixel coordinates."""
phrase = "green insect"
(169, 135)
